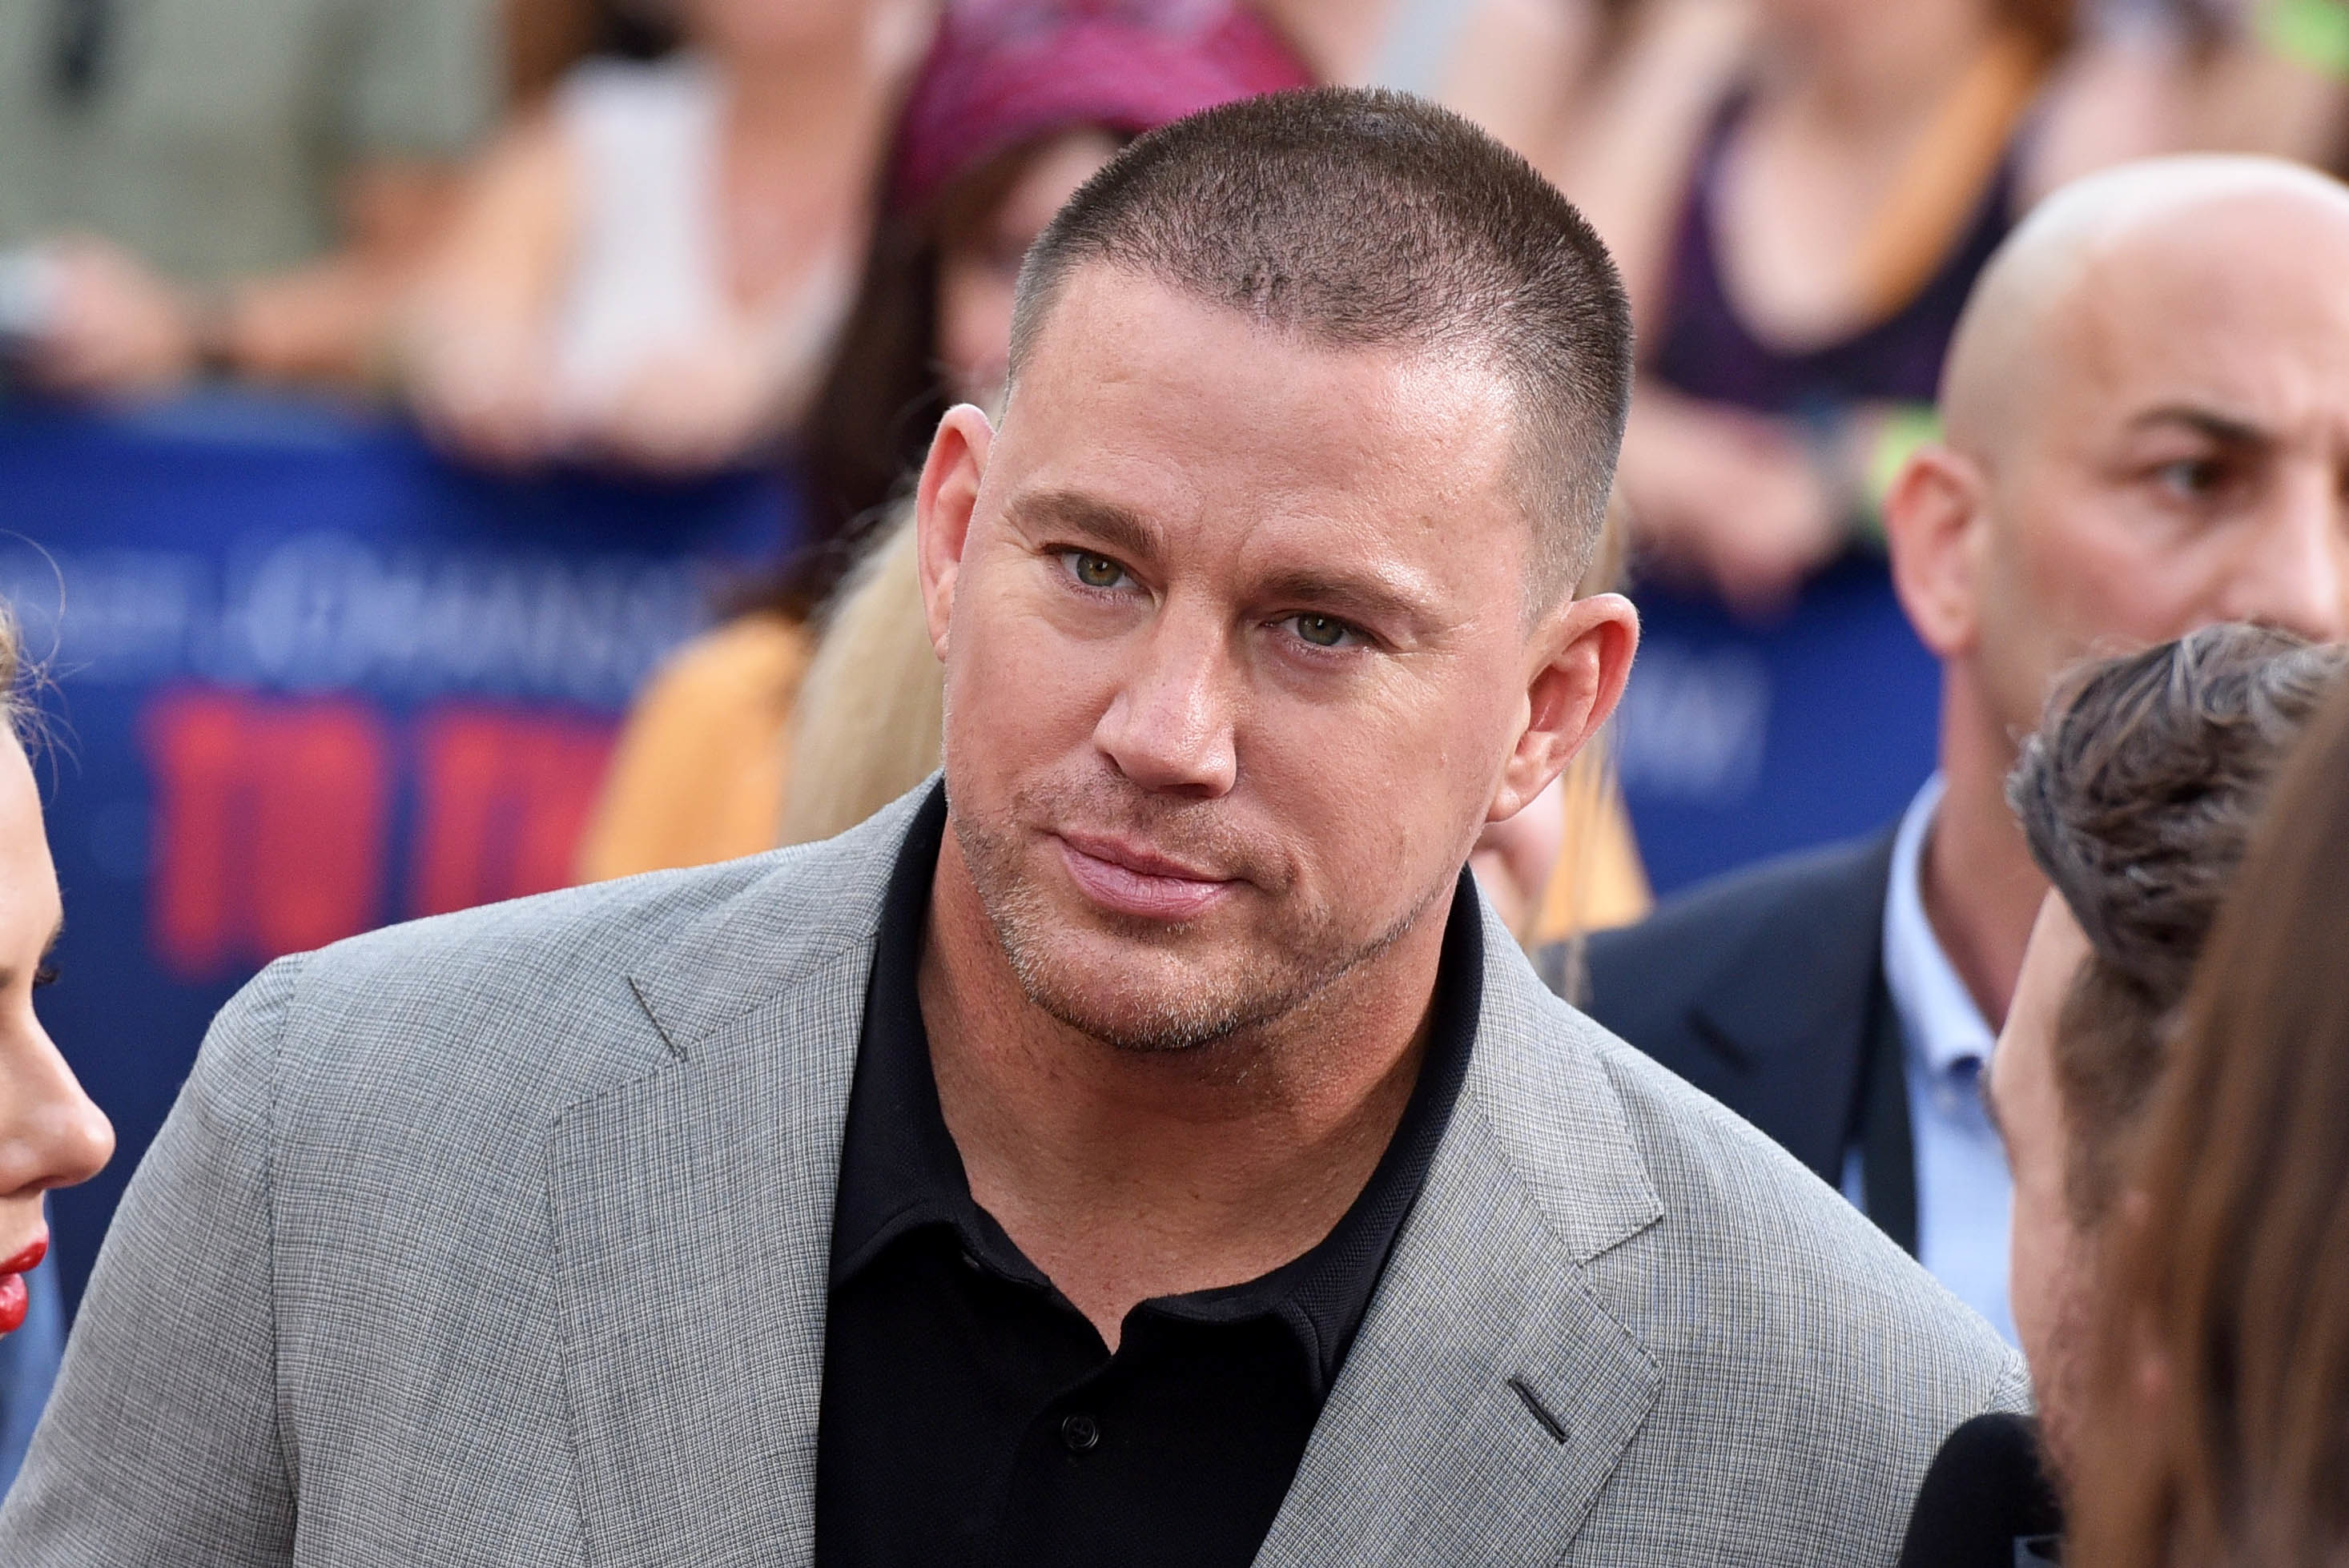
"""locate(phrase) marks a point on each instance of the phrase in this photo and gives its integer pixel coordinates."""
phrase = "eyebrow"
(2225, 429)
(1394, 595)
(1119, 528)
(1377, 597)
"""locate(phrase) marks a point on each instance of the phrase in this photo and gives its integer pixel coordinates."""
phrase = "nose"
(51, 1134)
(2295, 571)
(1169, 726)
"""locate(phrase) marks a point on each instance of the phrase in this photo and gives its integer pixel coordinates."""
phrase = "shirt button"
(1080, 1433)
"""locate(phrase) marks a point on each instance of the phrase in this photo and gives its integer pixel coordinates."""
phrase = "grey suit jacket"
(501, 1239)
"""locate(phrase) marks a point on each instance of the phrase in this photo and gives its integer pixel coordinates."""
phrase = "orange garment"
(703, 763)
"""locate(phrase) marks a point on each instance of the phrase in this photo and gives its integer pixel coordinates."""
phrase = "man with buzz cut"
(1141, 1147)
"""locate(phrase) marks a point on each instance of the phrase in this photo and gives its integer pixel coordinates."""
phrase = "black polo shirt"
(972, 1416)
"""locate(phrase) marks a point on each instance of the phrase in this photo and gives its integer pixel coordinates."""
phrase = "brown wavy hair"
(2138, 796)
(2221, 1403)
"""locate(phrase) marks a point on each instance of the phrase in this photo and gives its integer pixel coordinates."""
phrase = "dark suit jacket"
(1765, 989)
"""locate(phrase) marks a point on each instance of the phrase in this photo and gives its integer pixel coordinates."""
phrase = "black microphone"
(1987, 1502)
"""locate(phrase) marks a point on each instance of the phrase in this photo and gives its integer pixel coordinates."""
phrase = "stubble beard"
(1254, 989)
(2063, 1387)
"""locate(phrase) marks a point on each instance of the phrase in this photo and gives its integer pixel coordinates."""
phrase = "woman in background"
(1801, 193)
(1518, 67)
(650, 272)
(2217, 1430)
(1019, 102)
(50, 1133)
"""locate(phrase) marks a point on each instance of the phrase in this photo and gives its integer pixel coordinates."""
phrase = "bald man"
(2146, 409)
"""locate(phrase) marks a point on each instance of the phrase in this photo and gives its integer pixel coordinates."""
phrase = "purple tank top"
(1706, 351)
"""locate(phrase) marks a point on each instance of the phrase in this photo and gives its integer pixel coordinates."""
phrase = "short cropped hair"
(2138, 796)
(1362, 219)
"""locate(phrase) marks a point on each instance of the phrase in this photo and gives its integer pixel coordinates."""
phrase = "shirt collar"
(900, 1170)
(1945, 1031)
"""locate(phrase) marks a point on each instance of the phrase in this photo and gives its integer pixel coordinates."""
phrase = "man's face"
(2184, 456)
(2051, 1264)
(1238, 661)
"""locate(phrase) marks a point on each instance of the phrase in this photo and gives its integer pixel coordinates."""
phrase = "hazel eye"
(1321, 631)
(1095, 571)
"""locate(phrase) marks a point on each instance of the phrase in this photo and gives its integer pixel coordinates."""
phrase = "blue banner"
(1740, 741)
(305, 678)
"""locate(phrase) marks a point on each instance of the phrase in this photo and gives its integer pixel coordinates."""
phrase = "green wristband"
(1905, 426)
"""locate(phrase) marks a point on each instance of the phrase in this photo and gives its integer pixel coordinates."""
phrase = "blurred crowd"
(672, 239)
(674, 236)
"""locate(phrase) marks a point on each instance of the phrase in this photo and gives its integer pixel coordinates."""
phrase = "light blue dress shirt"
(1965, 1196)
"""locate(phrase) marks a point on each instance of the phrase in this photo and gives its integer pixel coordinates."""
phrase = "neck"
(1337, 38)
(813, 97)
(1885, 65)
(1126, 1175)
(1980, 889)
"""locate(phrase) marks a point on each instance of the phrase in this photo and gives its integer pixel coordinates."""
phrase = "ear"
(944, 503)
(1936, 522)
(1585, 648)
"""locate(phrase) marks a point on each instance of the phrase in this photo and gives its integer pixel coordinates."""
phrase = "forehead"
(2242, 307)
(1186, 410)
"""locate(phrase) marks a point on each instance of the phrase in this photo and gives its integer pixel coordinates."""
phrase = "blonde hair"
(20, 718)
(12, 659)
(871, 718)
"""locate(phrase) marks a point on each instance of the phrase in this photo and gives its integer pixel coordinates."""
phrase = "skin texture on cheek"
(2053, 1261)
(1324, 865)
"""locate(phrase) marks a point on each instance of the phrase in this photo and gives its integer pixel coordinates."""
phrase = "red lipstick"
(1135, 881)
(12, 1296)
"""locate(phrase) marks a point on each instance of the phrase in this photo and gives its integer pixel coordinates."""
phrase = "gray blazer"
(502, 1238)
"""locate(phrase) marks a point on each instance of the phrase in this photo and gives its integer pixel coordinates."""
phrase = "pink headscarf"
(1004, 72)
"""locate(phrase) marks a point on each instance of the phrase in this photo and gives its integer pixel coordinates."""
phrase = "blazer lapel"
(692, 1217)
(1489, 1394)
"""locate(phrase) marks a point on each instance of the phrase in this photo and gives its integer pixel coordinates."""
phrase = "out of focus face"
(1806, 17)
(979, 276)
(1236, 657)
(2185, 455)
(51, 1134)
(2052, 1264)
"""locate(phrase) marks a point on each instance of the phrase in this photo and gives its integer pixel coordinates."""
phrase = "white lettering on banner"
(1693, 725)
(324, 611)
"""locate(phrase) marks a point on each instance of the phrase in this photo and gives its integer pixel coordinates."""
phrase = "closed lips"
(1133, 883)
